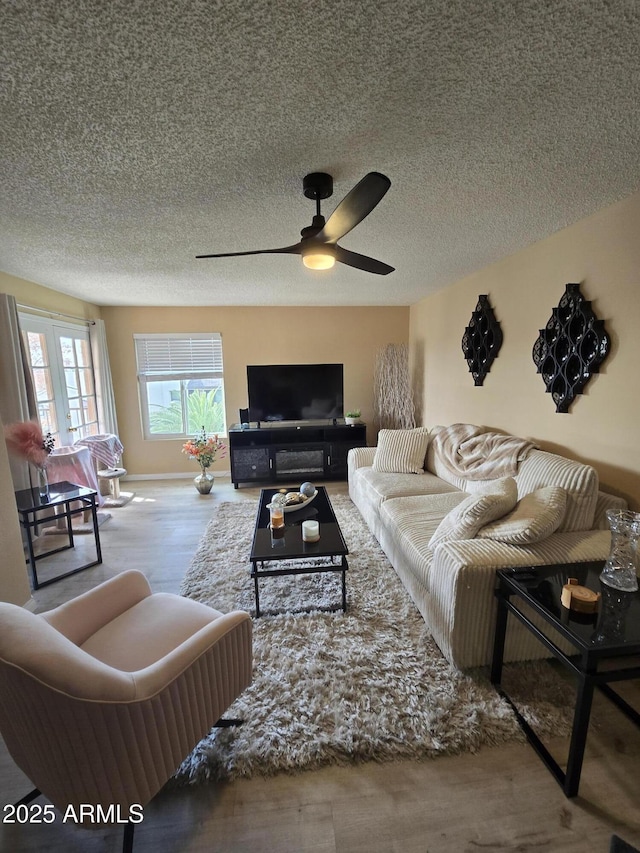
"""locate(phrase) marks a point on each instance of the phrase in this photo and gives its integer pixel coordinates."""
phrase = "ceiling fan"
(319, 244)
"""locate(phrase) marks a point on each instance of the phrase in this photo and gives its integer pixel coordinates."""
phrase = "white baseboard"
(183, 476)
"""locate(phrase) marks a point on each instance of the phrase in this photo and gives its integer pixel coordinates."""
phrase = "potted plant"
(352, 416)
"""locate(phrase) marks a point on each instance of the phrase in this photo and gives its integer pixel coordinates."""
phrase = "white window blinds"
(178, 356)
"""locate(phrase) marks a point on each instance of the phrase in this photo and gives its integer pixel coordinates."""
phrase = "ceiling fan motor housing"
(317, 185)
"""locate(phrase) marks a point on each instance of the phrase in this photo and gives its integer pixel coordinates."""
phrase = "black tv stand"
(292, 454)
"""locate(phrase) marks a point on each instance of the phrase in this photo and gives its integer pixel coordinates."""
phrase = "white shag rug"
(368, 684)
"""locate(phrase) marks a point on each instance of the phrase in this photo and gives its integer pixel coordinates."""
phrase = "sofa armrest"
(228, 639)
(462, 582)
(605, 502)
(360, 457)
(577, 546)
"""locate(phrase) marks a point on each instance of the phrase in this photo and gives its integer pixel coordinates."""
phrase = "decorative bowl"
(303, 504)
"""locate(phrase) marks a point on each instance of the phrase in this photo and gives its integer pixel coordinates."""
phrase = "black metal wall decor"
(482, 340)
(571, 348)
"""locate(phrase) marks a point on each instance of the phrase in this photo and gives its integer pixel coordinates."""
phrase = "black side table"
(612, 635)
(63, 502)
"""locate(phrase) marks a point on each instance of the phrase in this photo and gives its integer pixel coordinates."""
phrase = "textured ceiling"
(135, 134)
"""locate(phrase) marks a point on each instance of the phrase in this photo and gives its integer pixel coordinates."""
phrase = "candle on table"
(276, 516)
(310, 531)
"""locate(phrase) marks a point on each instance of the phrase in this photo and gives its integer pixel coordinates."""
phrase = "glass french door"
(60, 358)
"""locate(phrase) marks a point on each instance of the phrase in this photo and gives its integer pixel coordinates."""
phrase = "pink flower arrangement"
(26, 440)
(204, 450)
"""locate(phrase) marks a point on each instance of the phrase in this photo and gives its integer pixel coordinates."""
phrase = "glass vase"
(620, 569)
(43, 483)
(203, 482)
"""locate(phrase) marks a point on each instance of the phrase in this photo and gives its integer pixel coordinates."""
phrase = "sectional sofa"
(446, 534)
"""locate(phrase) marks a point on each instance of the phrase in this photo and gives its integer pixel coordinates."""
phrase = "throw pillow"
(401, 451)
(474, 512)
(536, 516)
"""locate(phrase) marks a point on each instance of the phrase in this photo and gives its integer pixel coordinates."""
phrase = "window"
(181, 384)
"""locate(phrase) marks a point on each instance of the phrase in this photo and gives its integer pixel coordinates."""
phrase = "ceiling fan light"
(319, 258)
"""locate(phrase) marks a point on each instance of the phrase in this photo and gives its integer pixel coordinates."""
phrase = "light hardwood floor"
(500, 799)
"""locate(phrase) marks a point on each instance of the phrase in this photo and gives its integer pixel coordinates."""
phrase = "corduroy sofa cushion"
(464, 521)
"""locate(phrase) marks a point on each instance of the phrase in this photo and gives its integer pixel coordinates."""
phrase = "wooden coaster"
(579, 598)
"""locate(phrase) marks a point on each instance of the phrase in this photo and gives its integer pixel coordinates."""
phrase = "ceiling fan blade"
(362, 262)
(353, 208)
(286, 250)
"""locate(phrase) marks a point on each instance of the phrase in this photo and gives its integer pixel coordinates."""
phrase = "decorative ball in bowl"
(278, 499)
(296, 500)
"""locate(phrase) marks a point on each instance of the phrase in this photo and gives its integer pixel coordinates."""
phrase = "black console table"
(63, 502)
(274, 454)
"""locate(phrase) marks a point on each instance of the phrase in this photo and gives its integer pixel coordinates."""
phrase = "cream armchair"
(102, 698)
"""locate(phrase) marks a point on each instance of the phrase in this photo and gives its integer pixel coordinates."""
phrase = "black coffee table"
(270, 547)
(604, 646)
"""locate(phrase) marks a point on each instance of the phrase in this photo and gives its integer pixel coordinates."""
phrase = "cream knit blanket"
(467, 451)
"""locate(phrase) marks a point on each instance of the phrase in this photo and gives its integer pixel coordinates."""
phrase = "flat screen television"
(295, 392)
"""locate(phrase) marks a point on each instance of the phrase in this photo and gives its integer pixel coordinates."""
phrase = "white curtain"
(107, 420)
(17, 397)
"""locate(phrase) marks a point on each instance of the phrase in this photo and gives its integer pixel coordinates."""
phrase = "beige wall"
(267, 335)
(602, 253)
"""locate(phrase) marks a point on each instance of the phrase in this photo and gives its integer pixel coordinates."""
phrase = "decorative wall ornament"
(393, 402)
(482, 340)
(571, 348)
